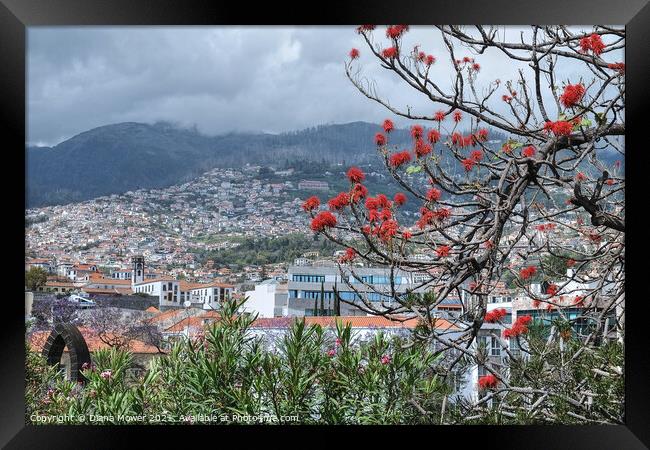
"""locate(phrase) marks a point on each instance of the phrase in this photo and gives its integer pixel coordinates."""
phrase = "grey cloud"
(220, 79)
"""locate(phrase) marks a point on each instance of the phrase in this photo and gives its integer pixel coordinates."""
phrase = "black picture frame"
(16, 15)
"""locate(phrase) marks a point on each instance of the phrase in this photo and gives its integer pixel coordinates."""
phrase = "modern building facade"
(306, 283)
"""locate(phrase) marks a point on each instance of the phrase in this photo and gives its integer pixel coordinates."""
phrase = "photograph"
(325, 225)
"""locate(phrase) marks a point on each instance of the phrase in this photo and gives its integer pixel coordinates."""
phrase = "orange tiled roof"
(152, 309)
(354, 321)
(37, 341)
(165, 315)
(190, 322)
(155, 280)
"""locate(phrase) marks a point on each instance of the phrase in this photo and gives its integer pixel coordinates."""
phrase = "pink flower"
(106, 374)
(354, 53)
(331, 353)
(385, 359)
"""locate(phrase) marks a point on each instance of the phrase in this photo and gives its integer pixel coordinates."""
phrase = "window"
(316, 295)
(309, 278)
(164, 287)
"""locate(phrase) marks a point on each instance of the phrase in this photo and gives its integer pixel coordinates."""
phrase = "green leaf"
(413, 169)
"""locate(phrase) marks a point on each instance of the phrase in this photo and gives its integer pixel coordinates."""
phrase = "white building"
(211, 295)
(165, 289)
(269, 299)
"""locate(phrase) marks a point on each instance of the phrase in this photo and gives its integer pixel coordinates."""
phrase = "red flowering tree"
(493, 211)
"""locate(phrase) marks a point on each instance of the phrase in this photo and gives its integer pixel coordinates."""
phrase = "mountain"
(117, 158)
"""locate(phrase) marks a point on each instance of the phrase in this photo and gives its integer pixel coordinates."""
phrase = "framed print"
(253, 222)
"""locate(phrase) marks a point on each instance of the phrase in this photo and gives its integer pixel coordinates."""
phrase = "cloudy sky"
(221, 79)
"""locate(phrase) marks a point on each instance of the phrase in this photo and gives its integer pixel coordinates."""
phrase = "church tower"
(138, 270)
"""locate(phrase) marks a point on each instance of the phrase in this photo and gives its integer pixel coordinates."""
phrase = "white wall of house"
(167, 291)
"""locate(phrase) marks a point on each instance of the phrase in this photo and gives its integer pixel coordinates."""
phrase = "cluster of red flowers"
(572, 94)
(518, 328)
(428, 216)
(416, 132)
(349, 255)
(396, 31)
(468, 164)
(528, 151)
(593, 43)
(354, 53)
(355, 175)
(580, 176)
(570, 262)
(311, 203)
(422, 148)
(385, 359)
(399, 199)
(527, 272)
(339, 202)
(426, 59)
(433, 136)
(495, 315)
(552, 289)
(507, 147)
(434, 195)
(476, 155)
(362, 28)
(388, 125)
(359, 191)
(324, 219)
(476, 67)
(398, 159)
(439, 116)
(619, 67)
(380, 139)
(488, 382)
(559, 128)
(390, 52)
(457, 116)
(545, 227)
(442, 251)
(506, 98)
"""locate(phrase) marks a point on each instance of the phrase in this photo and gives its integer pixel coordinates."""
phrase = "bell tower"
(138, 269)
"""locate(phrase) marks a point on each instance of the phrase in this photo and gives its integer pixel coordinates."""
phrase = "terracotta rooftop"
(37, 341)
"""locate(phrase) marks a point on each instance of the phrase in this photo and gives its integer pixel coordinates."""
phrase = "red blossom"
(354, 53)
(442, 251)
(406, 235)
(388, 125)
(399, 199)
(572, 94)
(559, 128)
(383, 201)
(422, 148)
(439, 116)
(385, 359)
(552, 289)
(396, 31)
(387, 230)
(362, 28)
(355, 175)
(570, 262)
(457, 138)
(339, 202)
(359, 191)
(324, 219)
(476, 67)
(507, 148)
(527, 272)
(482, 134)
(398, 159)
(528, 152)
(430, 59)
(609, 182)
(518, 328)
(380, 139)
(488, 382)
(311, 203)
(468, 164)
(495, 315)
(390, 52)
(580, 176)
(349, 255)
(433, 136)
(417, 131)
(442, 213)
(434, 195)
(506, 98)
(457, 116)
(476, 155)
